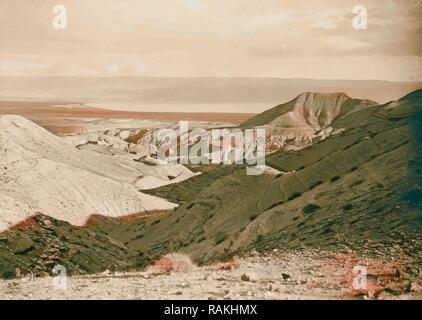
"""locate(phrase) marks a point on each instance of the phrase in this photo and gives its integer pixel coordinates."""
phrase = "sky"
(218, 38)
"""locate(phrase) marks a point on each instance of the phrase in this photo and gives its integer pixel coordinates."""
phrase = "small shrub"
(294, 195)
(253, 217)
(335, 178)
(356, 183)
(354, 168)
(311, 208)
(259, 238)
(220, 237)
(201, 239)
(315, 184)
(347, 207)
(274, 205)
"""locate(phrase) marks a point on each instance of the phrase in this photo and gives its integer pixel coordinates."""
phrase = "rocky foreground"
(307, 274)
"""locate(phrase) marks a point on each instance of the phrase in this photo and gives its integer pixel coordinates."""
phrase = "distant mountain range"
(265, 91)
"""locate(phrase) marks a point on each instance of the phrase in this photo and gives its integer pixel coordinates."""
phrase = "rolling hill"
(346, 191)
(305, 119)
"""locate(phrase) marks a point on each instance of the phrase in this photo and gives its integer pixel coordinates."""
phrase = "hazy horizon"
(187, 94)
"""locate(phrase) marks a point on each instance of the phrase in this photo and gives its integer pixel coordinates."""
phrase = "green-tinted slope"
(345, 190)
(41, 242)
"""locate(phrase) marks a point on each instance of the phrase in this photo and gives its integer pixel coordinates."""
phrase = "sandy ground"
(71, 117)
(278, 275)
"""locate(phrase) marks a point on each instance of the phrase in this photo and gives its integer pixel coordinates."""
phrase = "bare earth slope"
(307, 117)
(41, 172)
(346, 191)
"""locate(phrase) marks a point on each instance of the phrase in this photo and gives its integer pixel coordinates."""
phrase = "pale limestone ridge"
(41, 172)
(307, 117)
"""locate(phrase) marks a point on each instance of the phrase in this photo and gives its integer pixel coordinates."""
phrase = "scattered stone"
(44, 274)
(398, 274)
(245, 277)
(285, 276)
(266, 276)
(254, 253)
(384, 296)
(106, 273)
(47, 223)
(415, 287)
